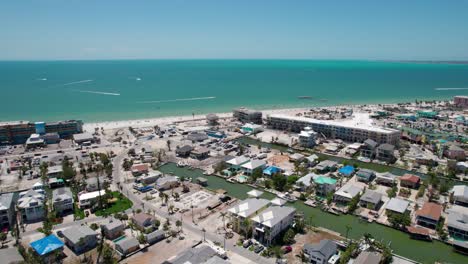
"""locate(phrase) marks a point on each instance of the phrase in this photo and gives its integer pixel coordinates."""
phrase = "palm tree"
(168, 143)
(223, 216)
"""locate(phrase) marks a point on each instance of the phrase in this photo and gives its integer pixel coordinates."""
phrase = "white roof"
(237, 160)
(253, 164)
(460, 191)
(349, 191)
(273, 215)
(359, 121)
(397, 205)
(90, 195)
(248, 207)
(255, 193)
(278, 201)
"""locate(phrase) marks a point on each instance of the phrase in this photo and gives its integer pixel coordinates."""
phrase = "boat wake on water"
(77, 82)
(450, 89)
(178, 100)
(97, 92)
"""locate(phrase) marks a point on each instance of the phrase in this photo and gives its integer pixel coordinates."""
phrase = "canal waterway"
(425, 252)
(361, 164)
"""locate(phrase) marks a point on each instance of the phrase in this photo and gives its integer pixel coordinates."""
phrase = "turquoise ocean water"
(126, 89)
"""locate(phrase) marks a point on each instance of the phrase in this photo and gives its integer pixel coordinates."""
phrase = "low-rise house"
(248, 207)
(296, 157)
(144, 221)
(31, 205)
(139, 169)
(271, 170)
(365, 175)
(86, 200)
(54, 171)
(346, 171)
(80, 238)
(62, 200)
(113, 229)
(346, 193)
(312, 160)
(305, 182)
(429, 215)
(237, 162)
(410, 181)
(326, 166)
(56, 183)
(320, 253)
(48, 248)
(127, 246)
(460, 194)
(324, 185)
(83, 138)
(455, 152)
(397, 205)
(252, 165)
(166, 183)
(368, 257)
(200, 153)
(457, 224)
(371, 199)
(198, 255)
(92, 184)
(183, 151)
(387, 179)
(155, 236)
(7, 210)
(385, 152)
(152, 177)
(368, 149)
(271, 222)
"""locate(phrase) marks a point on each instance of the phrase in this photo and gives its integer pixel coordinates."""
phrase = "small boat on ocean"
(305, 97)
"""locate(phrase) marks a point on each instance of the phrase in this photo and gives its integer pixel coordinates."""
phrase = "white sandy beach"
(89, 127)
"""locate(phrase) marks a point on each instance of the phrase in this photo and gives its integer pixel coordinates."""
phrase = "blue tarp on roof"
(347, 170)
(271, 170)
(46, 245)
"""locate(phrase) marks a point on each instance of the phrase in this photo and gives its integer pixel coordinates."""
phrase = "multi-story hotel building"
(358, 129)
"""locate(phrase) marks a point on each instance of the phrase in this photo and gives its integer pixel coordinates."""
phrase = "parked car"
(247, 243)
(258, 249)
(287, 249)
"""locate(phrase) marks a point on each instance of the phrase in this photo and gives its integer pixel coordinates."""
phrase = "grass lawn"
(122, 203)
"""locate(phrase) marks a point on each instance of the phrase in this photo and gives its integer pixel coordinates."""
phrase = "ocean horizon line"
(425, 61)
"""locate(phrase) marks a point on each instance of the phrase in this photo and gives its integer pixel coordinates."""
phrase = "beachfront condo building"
(247, 115)
(18, 132)
(357, 129)
(461, 101)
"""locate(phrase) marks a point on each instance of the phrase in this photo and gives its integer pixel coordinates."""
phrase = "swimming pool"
(242, 178)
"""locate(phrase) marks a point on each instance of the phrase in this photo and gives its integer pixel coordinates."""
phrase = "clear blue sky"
(296, 29)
